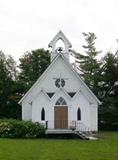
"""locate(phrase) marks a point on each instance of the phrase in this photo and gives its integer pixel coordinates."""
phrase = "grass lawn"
(106, 148)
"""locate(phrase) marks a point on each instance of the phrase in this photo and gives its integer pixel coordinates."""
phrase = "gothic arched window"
(60, 44)
(78, 114)
(43, 114)
(60, 102)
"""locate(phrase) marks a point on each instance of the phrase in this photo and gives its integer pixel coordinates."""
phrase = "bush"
(20, 129)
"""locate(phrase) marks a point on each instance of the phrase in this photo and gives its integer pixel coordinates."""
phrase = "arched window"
(78, 114)
(61, 102)
(43, 114)
(60, 43)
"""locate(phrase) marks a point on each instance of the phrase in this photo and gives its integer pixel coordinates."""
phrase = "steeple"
(60, 49)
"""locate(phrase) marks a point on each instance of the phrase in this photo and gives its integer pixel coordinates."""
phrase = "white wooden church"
(60, 99)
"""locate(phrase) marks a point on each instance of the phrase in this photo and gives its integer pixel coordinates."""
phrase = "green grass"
(106, 148)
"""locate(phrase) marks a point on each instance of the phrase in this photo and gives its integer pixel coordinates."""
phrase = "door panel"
(61, 117)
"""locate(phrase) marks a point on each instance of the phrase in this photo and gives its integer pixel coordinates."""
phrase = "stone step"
(59, 131)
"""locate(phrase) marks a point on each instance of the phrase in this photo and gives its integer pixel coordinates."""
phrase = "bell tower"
(63, 49)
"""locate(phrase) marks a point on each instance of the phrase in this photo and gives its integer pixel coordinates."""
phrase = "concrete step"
(59, 131)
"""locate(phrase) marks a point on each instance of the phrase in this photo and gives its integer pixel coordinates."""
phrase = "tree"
(109, 85)
(14, 84)
(108, 112)
(8, 72)
(32, 65)
(88, 62)
(108, 118)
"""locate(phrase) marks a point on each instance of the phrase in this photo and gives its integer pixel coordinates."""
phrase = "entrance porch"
(72, 127)
(60, 127)
(68, 128)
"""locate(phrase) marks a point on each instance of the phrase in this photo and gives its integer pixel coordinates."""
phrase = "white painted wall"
(26, 111)
(94, 117)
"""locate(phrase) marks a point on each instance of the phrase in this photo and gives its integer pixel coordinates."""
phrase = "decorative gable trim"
(44, 92)
(41, 91)
(84, 95)
(63, 91)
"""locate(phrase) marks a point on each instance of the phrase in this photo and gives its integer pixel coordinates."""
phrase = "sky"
(26, 25)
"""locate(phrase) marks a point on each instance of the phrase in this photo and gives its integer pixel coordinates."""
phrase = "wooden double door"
(61, 117)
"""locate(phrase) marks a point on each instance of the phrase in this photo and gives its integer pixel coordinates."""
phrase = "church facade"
(60, 99)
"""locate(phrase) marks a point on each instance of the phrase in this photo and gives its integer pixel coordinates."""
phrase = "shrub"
(20, 129)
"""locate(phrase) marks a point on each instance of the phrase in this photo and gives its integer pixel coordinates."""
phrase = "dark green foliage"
(102, 78)
(108, 112)
(14, 83)
(32, 65)
(20, 129)
(88, 62)
(109, 73)
(8, 95)
(108, 119)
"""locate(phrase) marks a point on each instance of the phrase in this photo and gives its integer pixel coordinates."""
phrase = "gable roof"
(60, 35)
(70, 66)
